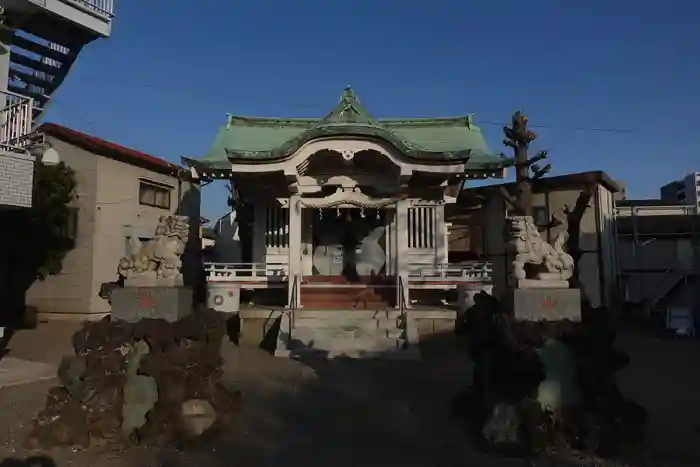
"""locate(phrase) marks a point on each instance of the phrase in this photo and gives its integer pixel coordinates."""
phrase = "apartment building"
(685, 191)
(40, 41)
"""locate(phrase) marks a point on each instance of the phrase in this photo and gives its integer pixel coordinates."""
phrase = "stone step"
(369, 324)
(345, 333)
(347, 315)
(348, 333)
(345, 298)
(349, 298)
(371, 280)
(353, 305)
(346, 290)
(333, 297)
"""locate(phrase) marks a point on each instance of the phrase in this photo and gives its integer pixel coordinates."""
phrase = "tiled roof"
(431, 140)
(108, 149)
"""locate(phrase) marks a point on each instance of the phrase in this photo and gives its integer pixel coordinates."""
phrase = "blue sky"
(170, 72)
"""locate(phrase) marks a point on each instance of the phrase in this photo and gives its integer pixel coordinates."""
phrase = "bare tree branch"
(573, 227)
(510, 200)
(532, 160)
(539, 172)
(580, 207)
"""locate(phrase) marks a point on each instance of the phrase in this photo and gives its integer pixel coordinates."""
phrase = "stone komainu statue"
(531, 248)
(157, 261)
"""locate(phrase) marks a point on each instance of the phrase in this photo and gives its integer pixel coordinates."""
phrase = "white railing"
(224, 272)
(471, 271)
(468, 271)
(15, 119)
(103, 8)
(657, 210)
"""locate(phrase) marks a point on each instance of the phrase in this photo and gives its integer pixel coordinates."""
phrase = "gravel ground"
(362, 413)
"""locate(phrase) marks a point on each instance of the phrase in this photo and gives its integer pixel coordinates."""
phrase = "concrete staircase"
(375, 334)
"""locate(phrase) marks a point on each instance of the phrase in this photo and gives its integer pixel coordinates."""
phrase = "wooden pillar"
(307, 244)
(295, 270)
(390, 241)
(402, 251)
(258, 240)
(441, 235)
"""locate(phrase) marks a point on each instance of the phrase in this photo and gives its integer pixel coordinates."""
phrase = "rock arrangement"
(147, 382)
(543, 386)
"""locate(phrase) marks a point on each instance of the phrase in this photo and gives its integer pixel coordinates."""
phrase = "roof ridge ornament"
(348, 95)
(348, 111)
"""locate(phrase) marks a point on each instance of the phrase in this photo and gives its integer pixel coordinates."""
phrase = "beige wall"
(108, 193)
(69, 292)
(599, 214)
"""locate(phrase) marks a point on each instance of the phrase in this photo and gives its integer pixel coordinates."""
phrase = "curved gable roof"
(430, 140)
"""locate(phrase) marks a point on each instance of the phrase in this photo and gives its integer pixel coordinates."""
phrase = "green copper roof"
(437, 140)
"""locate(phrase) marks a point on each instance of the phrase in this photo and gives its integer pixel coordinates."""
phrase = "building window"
(154, 195)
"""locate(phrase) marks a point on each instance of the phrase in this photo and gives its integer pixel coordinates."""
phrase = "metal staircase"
(45, 46)
(669, 283)
(37, 69)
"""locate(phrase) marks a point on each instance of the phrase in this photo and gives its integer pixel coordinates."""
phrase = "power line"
(478, 121)
(552, 127)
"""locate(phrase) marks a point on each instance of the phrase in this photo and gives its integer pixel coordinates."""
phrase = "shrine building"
(345, 212)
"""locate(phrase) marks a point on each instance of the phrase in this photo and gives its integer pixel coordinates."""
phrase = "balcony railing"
(104, 8)
(15, 119)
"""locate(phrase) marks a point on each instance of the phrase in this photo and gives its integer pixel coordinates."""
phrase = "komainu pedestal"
(132, 304)
(153, 285)
(546, 304)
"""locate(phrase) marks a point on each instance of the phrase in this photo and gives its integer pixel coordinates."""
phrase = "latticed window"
(151, 194)
(277, 227)
(421, 227)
